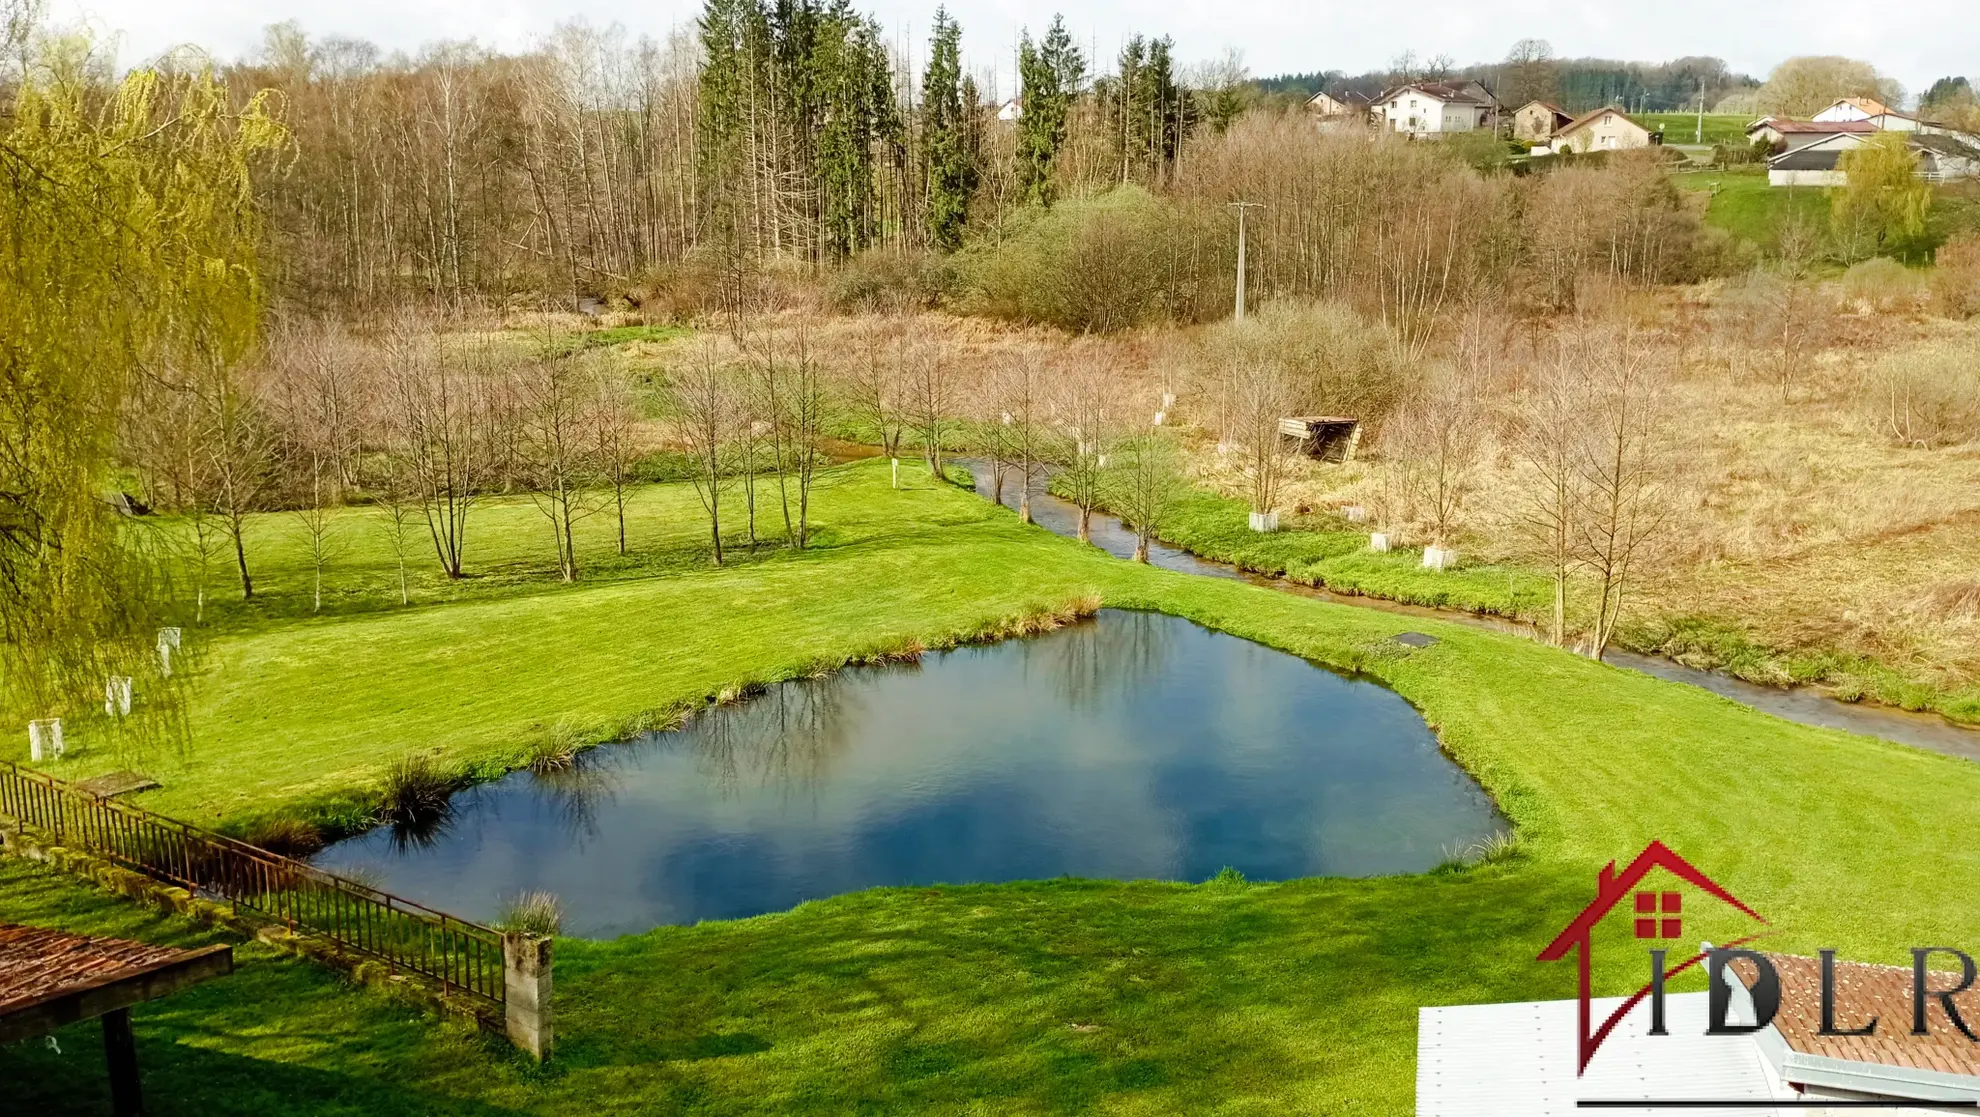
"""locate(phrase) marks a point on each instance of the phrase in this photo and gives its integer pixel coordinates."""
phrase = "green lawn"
(1745, 206)
(1050, 997)
(1682, 127)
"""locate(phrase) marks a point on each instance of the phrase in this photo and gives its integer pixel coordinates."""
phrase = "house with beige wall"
(1538, 121)
(1436, 108)
(1605, 130)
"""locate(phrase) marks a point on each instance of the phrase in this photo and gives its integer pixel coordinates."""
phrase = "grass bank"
(1046, 997)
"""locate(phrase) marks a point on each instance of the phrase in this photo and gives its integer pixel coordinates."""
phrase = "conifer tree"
(1049, 76)
(946, 130)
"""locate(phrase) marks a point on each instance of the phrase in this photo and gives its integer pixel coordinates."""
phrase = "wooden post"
(120, 1053)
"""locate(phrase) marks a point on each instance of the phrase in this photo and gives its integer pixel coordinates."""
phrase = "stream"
(1803, 706)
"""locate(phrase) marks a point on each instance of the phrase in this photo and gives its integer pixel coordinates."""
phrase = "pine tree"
(1049, 76)
(945, 136)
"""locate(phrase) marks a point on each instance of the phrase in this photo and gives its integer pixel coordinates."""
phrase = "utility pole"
(1240, 207)
(1700, 138)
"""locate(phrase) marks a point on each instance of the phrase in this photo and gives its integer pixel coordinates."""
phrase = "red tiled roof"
(1864, 991)
(36, 963)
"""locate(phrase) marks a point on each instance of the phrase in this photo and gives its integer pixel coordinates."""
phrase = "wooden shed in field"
(1327, 438)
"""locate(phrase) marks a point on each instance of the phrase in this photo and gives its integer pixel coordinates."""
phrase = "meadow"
(1041, 997)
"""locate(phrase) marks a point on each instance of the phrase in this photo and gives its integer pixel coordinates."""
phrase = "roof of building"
(1940, 143)
(1869, 105)
(1550, 106)
(1864, 991)
(49, 977)
(1806, 159)
(1466, 92)
(1807, 127)
(1588, 117)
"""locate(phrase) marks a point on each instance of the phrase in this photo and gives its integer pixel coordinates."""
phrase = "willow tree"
(127, 250)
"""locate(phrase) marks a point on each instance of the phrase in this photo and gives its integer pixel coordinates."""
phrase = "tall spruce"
(947, 131)
(1148, 113)
(1049, 77)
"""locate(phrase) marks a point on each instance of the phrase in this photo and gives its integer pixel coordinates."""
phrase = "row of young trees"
(420, 425)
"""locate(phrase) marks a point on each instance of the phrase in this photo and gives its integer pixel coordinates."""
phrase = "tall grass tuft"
(416, 791)
(556, 750)
(285, 836)
(533, 913)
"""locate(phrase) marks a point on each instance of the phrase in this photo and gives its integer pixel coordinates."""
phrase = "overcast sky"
(1915, 41)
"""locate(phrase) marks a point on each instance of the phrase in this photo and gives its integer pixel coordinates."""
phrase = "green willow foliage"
(127, 247)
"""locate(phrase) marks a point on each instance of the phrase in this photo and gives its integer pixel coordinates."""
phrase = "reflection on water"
(1134, 746)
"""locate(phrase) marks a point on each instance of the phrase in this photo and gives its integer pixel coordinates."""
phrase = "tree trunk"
(240, 556)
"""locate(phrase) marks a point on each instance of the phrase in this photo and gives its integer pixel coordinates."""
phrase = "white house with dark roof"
(1437, 108)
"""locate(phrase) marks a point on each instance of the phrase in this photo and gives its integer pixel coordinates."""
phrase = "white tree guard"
(45, 739)
(117, 696)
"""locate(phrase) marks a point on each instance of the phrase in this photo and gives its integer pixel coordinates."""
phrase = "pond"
(1131, 746)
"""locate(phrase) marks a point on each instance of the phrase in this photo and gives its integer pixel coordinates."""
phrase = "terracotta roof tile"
(1864, 991)
(36, 963)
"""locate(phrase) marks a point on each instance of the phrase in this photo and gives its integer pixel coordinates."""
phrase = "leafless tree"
(556, 448)
(1144, 486)
(1020, 404)
(705, 398)
(875, 388)
(445, 417)
(614, 421)
(931, 399)
(1257, 391)
(1086, 379)
(398, 500)
(318, 522)
(240, 443)
(1623, 465)
(1546, 436)
(798, 403)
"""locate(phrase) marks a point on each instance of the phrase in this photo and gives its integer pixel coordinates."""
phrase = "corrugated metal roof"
(1518, 1060)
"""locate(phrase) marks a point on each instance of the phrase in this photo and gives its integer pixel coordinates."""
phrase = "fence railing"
(465, 958)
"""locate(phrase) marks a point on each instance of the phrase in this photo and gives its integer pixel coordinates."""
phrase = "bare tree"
(1021, 401)
(798, 415)
(614, 421)
(1144, 486)
(1623, 463)
(875, 386)
(240, 444)
(704, 396)
(1257, 392)
(555, 447)
(1437, 436)
(1546, 440)
(1086, 379)
(931, 399)
(319, 524)
(445, 417)
(398, 498)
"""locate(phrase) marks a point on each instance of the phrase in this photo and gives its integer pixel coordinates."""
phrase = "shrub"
(1928, 395)
(1956, 278)
(556, 750)
(1881, 283)
(532, 913)
(287, 837)
(416, 791)
(886, 280)
(1123, 259)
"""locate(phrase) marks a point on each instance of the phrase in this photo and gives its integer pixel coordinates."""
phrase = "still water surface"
(1132, 746)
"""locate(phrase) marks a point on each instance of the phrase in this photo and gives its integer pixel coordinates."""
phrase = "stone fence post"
(526, 995)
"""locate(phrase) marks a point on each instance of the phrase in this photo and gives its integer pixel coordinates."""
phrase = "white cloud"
(1914, 40)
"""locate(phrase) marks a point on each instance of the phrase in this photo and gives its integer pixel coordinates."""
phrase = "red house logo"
(1658, 916)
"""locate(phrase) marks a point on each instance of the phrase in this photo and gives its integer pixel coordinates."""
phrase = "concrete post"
(526, 995)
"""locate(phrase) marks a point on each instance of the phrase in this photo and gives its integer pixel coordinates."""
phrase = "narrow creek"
(1806, 707)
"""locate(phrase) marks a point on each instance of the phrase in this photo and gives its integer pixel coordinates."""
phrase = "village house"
(1538, 121)
(1862, 109)
(1608, 129)
(1941, 158)
(1437, 108)
(1010, 111)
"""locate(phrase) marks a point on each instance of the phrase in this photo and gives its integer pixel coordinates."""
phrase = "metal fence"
(465, 958)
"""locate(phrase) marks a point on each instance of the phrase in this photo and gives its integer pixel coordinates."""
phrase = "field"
(1047, 997)
(1745, 206)
(1682, 127)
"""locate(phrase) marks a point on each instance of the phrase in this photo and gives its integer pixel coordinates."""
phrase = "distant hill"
(1575, 84)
